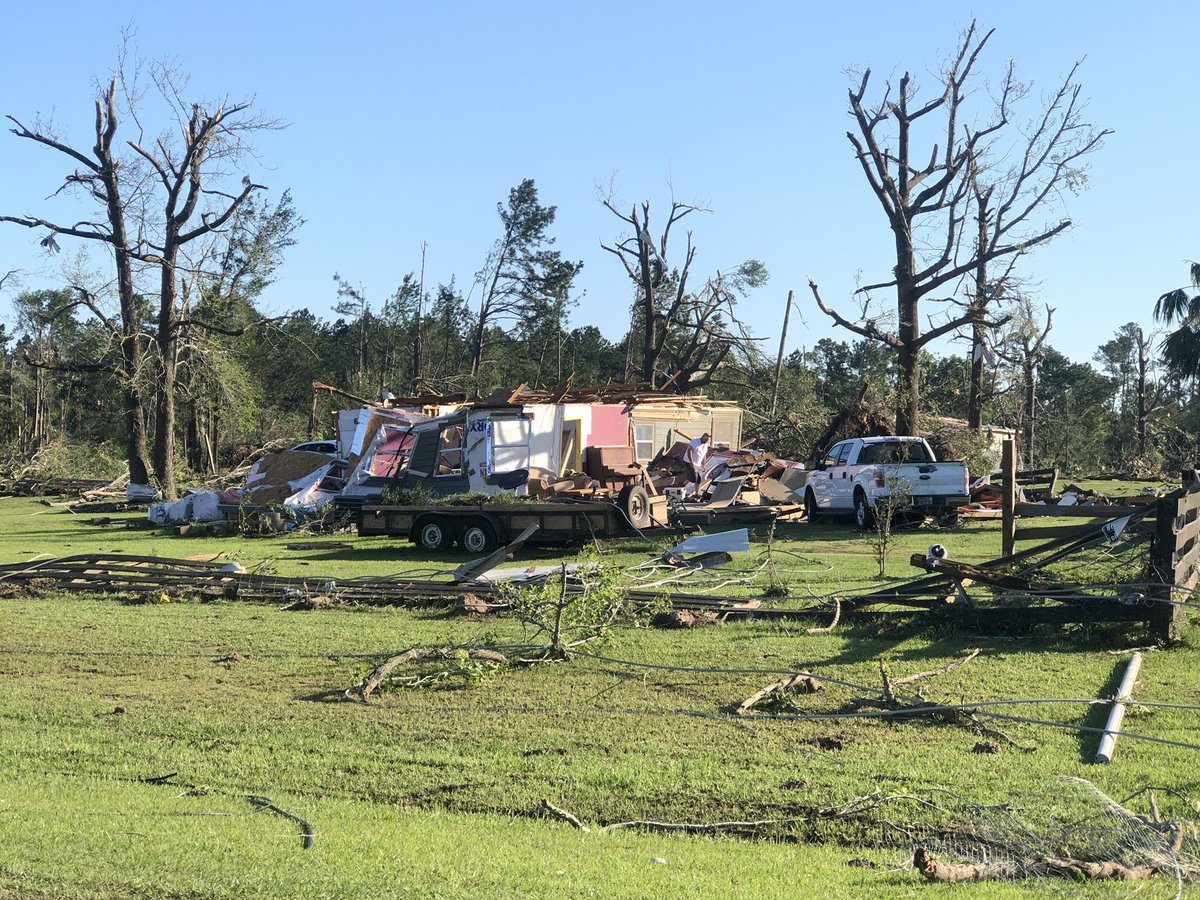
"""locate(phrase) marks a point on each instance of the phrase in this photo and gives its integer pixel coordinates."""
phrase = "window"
(450, 451)
(889, 452)
(392, 448)
(918, 453)
(844, 454)
(643, 442)
(831, 458)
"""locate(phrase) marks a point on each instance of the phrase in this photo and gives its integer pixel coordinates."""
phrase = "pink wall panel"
(610, 427)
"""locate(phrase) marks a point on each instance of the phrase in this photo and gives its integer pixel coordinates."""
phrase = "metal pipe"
(1117, 714)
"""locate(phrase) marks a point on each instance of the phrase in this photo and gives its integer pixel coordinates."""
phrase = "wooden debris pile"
(629, 393)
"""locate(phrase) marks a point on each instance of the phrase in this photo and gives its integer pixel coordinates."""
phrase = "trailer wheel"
(479, 537)
(433, 534)
(635, 503)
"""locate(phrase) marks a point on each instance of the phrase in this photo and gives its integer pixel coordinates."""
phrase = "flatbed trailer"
(482, 527)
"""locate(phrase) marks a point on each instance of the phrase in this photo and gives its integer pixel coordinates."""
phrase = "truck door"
(841, 484)
(822, 480)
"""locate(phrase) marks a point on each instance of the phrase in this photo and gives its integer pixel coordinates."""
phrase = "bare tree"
(100, 176)
(179, 192)
(927, 204)
(686, 335)
(195, 202)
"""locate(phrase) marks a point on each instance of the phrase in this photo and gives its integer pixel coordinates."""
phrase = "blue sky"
(407, 123)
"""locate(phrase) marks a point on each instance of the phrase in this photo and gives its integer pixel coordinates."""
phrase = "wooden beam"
(1050, 532)
(1036, 510)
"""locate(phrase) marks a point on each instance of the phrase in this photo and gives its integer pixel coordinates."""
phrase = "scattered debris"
(477, 567)
(734, 541)
(828, 742)
(306, 604)
(683, 618)
(473, 604)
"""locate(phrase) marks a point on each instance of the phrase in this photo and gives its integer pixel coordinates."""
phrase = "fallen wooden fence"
(214, 580)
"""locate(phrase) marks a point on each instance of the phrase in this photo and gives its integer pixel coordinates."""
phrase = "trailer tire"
(433, 533)
(635, 503)
(479, 536)
(864, 516)
(812, 512)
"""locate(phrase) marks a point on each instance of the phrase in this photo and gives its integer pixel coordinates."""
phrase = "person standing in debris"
(697, 452)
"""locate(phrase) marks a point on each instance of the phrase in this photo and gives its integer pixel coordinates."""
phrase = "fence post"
(1168, 620)
(1008, 474)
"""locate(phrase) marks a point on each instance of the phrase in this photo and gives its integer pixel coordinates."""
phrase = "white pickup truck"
(857, 473)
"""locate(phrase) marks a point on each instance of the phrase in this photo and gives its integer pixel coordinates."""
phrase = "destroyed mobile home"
(588, 463)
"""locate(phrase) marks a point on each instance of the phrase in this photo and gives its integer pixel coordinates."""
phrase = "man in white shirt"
(697, 452)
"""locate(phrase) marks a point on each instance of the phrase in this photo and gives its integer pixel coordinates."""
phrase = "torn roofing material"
(736, 540)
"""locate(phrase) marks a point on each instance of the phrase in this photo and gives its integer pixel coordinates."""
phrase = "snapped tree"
(927, 197)
(686, 334)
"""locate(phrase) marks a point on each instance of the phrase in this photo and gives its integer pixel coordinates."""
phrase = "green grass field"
(437, 791)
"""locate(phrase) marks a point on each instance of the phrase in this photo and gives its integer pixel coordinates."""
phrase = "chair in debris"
(613, 467)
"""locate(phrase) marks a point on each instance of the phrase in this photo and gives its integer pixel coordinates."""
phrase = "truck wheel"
(864, 516)
(433, 534)
(479, 537)
(635, 503)
(811, 511)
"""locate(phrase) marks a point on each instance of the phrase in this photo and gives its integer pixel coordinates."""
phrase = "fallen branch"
(909, 679)
(916, 705)
(564, 815)
(803, 684)
(264, 803)
(837, 615)
(855, 807)
(932, 869)
(693, 827)
(418, 654)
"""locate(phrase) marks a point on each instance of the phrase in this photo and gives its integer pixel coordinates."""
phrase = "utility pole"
(418, 344)
(779, 359)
